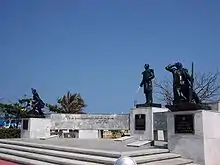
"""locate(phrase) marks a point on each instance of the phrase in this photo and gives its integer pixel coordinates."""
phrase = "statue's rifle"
(192, 84)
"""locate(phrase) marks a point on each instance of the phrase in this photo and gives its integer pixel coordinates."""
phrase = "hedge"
(9, 133)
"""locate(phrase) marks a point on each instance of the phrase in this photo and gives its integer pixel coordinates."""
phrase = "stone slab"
(139, 143)
(20, 160)
(123, 138)
(176, 161)
(45, 158)
(157, 157)
(90, 122)
(61, 154)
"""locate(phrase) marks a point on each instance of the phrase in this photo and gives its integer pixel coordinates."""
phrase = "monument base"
(148, 105)
(195, 135)
(35, 128)
(141, 123)
(34, 114)
(187, 107)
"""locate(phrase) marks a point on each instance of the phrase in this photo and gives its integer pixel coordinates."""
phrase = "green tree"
(69, 103)
(13, 110)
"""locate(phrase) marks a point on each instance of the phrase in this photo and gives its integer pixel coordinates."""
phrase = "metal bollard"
(125, 160)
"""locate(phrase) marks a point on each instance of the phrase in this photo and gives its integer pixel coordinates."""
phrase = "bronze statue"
(37, 103)
(182, 84)
(146, 83)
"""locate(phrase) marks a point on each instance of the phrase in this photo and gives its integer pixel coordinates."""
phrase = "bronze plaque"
(140, 123)
(184, 124)
(25, 124)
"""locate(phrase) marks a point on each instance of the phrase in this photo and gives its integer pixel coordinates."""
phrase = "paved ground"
(99, 144)
(3, 162)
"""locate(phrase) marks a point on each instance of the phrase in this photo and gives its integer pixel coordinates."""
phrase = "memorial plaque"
(140, 123)
(25, 124)
(184, 124)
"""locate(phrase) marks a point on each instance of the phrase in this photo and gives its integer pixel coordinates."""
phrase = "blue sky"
(98, 48)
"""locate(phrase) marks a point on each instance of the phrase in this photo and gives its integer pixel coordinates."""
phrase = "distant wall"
(90, 122)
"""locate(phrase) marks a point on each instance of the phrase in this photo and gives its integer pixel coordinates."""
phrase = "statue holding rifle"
(183, 91)
(182, 84)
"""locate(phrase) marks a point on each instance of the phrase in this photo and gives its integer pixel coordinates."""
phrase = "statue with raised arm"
(146, 83)
(182, 84)
(185, 98)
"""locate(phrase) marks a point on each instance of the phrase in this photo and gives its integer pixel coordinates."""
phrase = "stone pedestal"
(35, 128)
(141, 123)
(195, 135)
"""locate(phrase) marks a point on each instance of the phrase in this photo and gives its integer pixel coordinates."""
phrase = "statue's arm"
(142, 82)
(152, 75)
(170, 68)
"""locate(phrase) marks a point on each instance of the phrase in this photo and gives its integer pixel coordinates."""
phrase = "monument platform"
(187, 107)
(148, 105)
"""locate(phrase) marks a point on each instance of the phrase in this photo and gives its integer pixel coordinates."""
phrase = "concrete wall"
(88, 134)
(89, 122)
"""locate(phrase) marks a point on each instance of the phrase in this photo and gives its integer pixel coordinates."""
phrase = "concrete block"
(35, 128)
(146, 134)
(204, 145)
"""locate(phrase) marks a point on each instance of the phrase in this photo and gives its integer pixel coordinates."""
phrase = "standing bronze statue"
(146, 83)
(185, 98)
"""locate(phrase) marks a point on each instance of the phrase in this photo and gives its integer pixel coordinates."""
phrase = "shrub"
(6, 133)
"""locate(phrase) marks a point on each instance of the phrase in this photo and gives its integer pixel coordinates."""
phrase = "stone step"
(139, 143)
(61, 154)
(176, 161)
(124, 138)
(156, 157)
(144, 152)
(103, 153)
(21, 160)
(84, 157)
(45, 158)
(111, 154)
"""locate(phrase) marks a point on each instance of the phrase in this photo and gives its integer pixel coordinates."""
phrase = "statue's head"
(146, 66)
(125, 160)
(33, 90)
(178, 65)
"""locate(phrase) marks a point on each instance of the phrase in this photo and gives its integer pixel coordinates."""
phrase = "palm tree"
(69, 103)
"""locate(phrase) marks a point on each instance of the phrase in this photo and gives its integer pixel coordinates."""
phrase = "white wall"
(88, 134)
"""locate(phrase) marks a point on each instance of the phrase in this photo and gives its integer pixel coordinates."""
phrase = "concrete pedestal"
(203, 146)
(147, 133)
(35, 128)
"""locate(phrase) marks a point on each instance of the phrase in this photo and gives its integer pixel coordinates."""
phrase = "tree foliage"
(206, 85)
(69, 103)
(13, 110)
